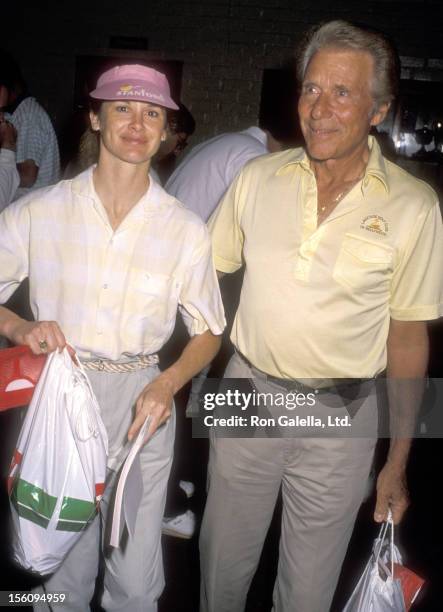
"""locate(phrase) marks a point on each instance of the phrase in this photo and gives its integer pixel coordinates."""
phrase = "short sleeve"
(417, 284)
(9, 178)
(200, 303)
(225, 228)
(14, 251)
(32, 136)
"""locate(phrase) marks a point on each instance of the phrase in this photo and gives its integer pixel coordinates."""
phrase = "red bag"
(20, 370)
(411, 584)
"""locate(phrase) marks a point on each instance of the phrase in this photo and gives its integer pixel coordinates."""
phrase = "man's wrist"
(398, 454)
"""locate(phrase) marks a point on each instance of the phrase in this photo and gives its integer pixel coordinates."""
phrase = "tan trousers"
(323, 483)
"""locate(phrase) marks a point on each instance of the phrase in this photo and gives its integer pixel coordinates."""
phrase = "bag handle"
(37, 395)
(71, 357)
(389, 524)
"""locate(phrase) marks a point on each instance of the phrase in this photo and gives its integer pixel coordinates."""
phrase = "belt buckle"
(101, 365)
(298, 387)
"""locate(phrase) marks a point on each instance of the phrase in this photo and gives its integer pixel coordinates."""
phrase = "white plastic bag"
(378, 590)
(58, 470)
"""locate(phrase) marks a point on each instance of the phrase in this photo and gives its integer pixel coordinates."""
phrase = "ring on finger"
(43, 346)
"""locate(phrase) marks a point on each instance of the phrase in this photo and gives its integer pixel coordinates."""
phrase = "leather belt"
(338, 386)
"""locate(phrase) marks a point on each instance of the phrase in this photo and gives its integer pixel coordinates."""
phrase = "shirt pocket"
(363, 264)
(152, 302)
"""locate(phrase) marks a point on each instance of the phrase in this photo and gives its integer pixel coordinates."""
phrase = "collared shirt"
(36, 140)
(9, 178)
(114, 293)
(208, 169)
(316, 301)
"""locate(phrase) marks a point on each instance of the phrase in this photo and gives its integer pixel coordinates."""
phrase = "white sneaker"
(188, 487)
(181, 526)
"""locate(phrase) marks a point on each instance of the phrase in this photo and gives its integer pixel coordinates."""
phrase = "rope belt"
(105, 365)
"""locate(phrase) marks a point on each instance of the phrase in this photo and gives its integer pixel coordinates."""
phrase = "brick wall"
(224, 44)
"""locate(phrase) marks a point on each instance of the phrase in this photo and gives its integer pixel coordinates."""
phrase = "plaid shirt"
(114, 293)
(9, 178)
(36, 140)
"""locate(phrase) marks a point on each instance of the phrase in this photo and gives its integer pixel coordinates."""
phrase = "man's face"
(130, 130)
(336, 107)
(175, 143)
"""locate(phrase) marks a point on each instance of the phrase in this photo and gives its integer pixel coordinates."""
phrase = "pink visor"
(134, 82)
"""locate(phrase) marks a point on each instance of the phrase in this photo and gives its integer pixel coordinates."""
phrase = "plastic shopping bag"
(378, 589)
(58, 470)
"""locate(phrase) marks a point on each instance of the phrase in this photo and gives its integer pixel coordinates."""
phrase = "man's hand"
(155, 400)
(40, 336)
(392, 493)
(28, 171)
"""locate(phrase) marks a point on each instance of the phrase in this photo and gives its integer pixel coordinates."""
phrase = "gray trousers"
(134, 578)
(323, 482)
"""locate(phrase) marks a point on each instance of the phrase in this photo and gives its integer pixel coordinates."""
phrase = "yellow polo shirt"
(316, 302)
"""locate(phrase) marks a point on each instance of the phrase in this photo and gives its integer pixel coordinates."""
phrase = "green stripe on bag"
(77, 510)
(75, 514)
(30, 514)
(71, 526)
(32, 503)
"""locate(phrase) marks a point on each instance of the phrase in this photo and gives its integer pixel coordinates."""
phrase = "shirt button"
(105, 286)
(99, 333)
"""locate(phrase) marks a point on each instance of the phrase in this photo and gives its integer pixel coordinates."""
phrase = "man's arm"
(408, 351)
(157, 397)
(28, 172)
(8, 172)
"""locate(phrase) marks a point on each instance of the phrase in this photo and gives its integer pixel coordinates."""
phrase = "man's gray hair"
(340, 34)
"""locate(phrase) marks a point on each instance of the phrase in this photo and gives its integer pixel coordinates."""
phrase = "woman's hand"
(155, 401)
(40, 336)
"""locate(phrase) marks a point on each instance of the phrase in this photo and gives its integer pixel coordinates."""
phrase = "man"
(9, 178)
(180, 127)
(343, 257)
(38, 161)
(110, 257)
(202, 178)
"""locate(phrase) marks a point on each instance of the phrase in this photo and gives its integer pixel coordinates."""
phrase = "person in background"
(38, 161)
(343, 255)
(9, 178)
(181, 125)
(209, 168)
(119, 258)
(201, 179)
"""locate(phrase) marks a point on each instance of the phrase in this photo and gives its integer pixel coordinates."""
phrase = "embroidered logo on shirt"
(375, 223)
